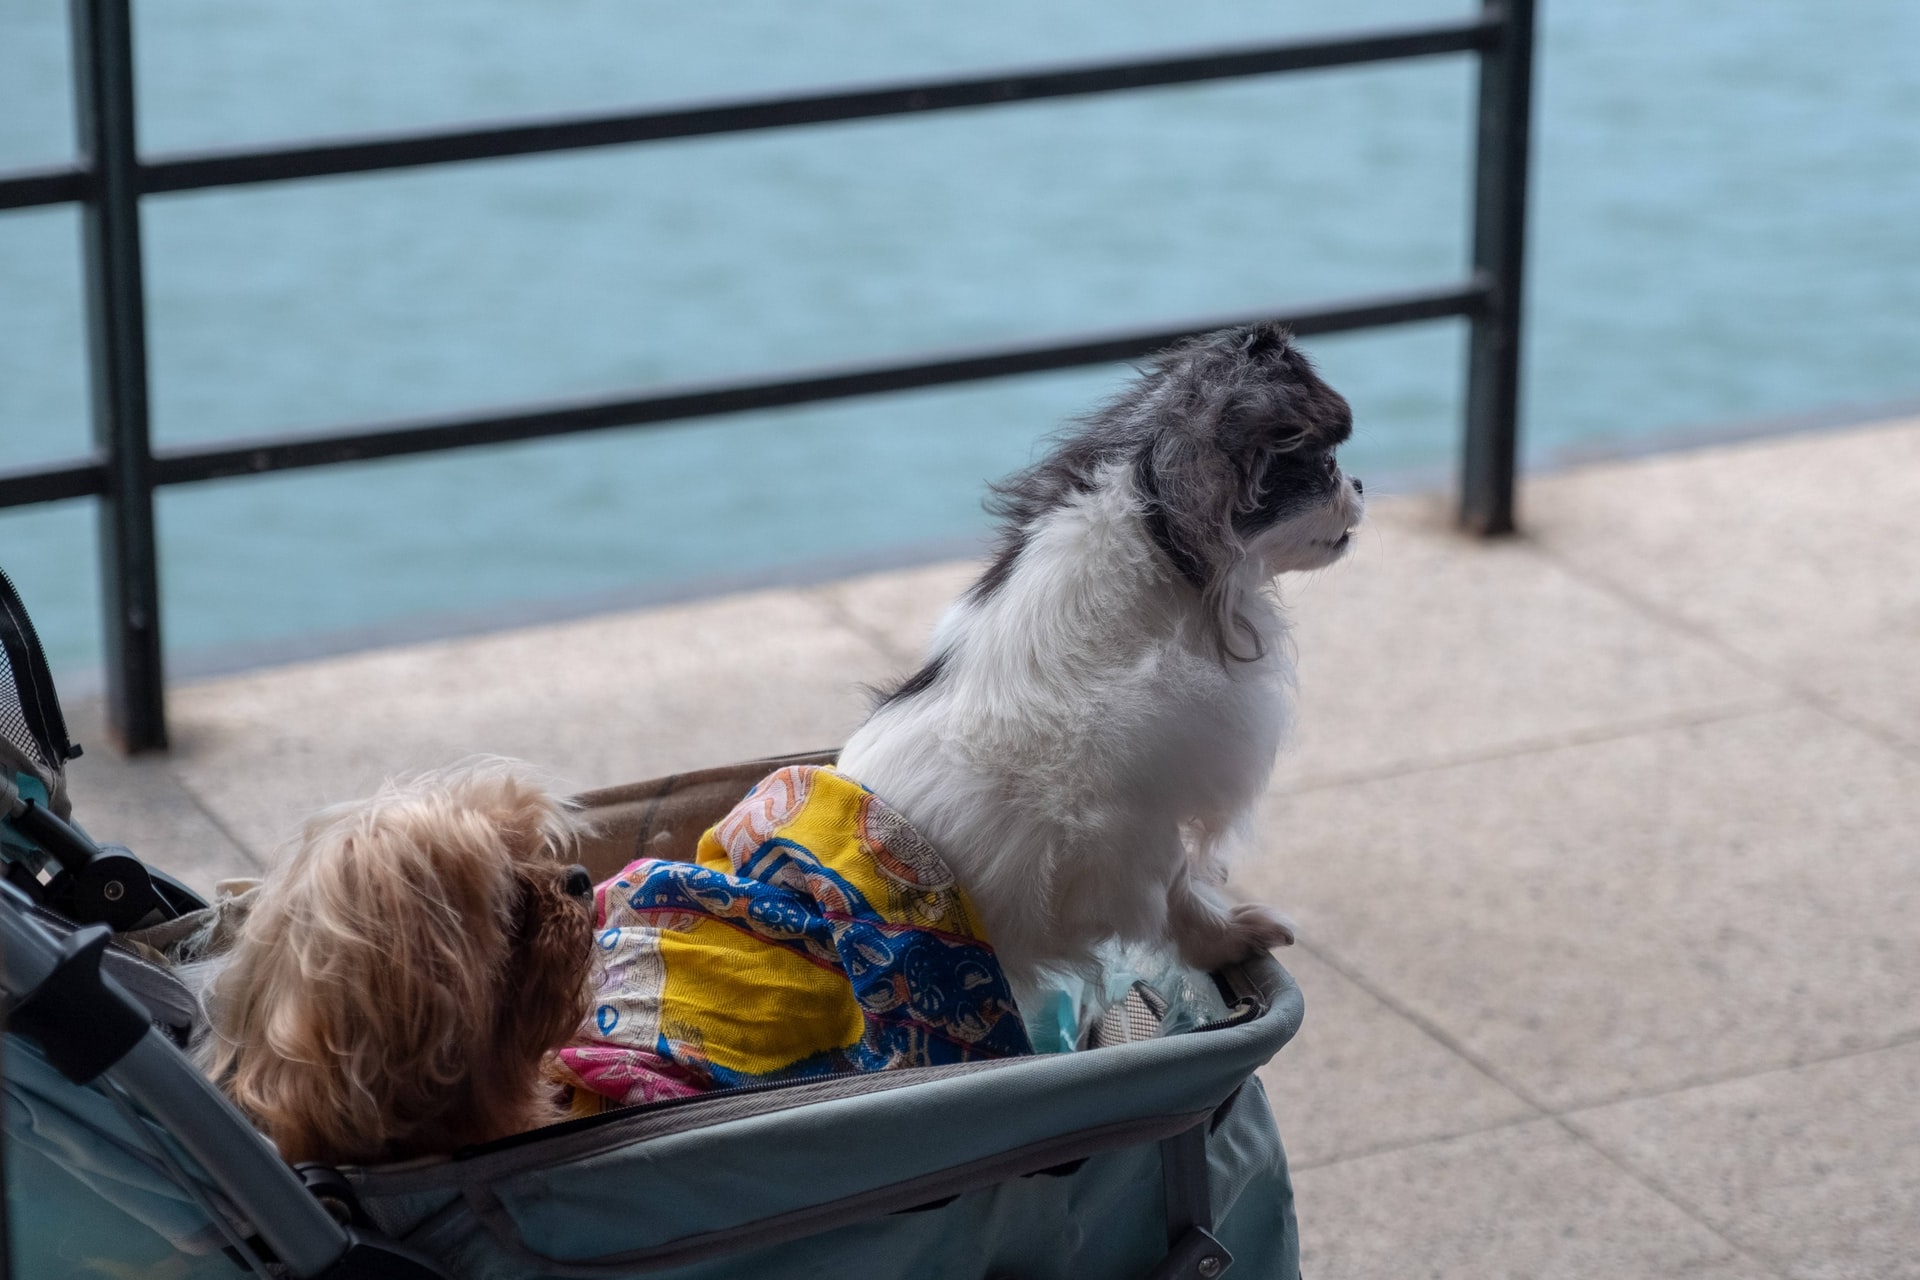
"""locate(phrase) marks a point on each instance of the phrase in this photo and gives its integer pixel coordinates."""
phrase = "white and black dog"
(1100, 710)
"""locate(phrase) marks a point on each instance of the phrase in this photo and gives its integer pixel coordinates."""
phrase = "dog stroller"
(1154, 1157)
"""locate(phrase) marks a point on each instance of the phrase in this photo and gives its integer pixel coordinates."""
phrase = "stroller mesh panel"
(13, 719)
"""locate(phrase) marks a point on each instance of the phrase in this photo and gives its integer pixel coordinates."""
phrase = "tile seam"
(1437, 1033)
(1777, 1267)
(1763, 1262)
(1617, 731)
(1753, 666)
(1569, 1119)
(1901, 1041)
(1414, 1144)
(1427, 1027)
(873, 637)
(219, 823)
(1566, 1118)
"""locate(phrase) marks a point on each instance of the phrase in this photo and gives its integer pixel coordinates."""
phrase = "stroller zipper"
(581, 1123)
(1242, 1010)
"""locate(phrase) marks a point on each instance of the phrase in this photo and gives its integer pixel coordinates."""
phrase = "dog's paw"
(1259, 928)
(1246, 930)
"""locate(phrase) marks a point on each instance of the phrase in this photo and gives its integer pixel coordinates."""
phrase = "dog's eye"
(1328, 465)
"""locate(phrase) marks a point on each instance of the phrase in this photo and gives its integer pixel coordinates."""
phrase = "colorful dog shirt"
(815, 933)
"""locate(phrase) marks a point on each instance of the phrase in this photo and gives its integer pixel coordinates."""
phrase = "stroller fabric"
(967, 1171)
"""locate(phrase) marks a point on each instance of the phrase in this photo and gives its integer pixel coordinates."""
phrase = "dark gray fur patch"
(1006, 550)
(917, 683)
(1068, 469)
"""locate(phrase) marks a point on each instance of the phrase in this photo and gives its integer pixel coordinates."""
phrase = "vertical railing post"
(1499, 252)
(117, 361)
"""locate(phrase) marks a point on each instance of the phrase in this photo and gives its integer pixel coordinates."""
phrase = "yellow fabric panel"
(830, 823)
(749, 1007)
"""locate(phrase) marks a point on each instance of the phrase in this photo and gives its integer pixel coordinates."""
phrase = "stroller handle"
(155, 1074)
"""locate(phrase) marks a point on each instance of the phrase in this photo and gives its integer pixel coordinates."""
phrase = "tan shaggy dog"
(403, 971)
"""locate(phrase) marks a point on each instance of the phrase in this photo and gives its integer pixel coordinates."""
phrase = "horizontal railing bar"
(55, 184)
(291, 451)
(189, 464)
(181, 173)
(76, 478)
(327, 157)
(705, 400)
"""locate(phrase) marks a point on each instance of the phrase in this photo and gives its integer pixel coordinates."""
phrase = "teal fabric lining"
(637, 1193)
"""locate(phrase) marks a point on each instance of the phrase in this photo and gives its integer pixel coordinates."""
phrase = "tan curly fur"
(404, 969)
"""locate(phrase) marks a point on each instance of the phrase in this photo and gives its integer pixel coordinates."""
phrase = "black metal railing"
(110, 177)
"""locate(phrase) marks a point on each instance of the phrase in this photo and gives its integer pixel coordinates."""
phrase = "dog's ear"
(1194, 489)
(1284, 404)
(1258, 341)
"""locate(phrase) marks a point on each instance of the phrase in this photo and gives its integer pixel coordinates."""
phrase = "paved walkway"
(1604, 841)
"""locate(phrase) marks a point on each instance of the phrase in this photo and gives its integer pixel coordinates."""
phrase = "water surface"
(1727, 225)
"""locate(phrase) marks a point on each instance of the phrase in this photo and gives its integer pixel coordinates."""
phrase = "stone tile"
(898, 609)
(596, 702)
(1360, 1078)
(1528, 1202)
(1816, 1169)
(140, 804)
(1629, 915)
(1803, 554)
(1425, 645)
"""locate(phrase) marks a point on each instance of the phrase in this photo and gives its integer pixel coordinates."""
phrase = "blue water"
(1727, 225)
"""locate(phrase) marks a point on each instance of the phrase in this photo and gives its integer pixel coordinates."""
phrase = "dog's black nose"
(1357, 487)
(579, 884)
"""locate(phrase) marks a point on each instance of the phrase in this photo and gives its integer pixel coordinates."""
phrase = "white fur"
(1086, 750)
